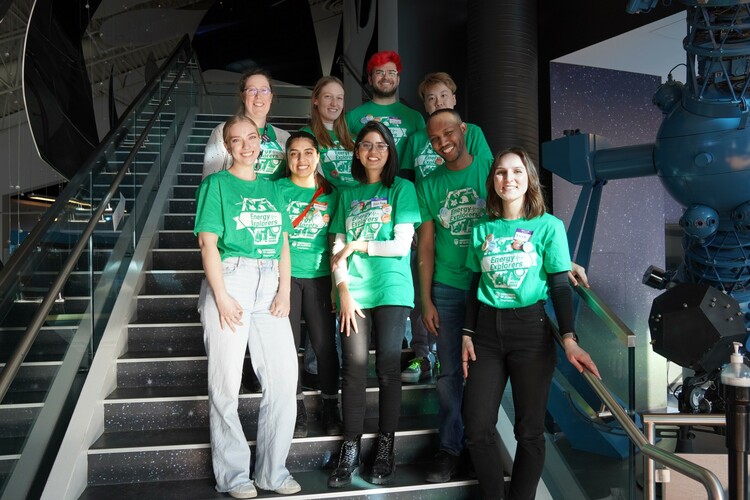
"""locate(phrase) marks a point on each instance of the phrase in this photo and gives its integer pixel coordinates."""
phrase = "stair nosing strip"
(162, 325)
(161, 360)
(38, 363)
(176, 250)
(174, 296)
(10, 457)
(20, 406)
(134, 449)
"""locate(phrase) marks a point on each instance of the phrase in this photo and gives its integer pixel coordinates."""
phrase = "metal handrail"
(19, 354)
(704, 476)
(650, 420)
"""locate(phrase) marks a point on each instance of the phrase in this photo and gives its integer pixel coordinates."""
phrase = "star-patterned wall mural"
(630, 233)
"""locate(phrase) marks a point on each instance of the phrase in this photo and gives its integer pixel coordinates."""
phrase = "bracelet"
(571, 335)
(467, 332)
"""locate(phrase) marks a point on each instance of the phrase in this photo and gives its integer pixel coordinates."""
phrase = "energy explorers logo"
(506, 262)
(459, 211)
(309, 227)
(427, 160)
(270, 160)
(367, 217)
(392, 122)
(340, 163)
(260, 217)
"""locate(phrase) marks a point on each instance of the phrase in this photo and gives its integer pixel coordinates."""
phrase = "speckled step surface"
(408, 484)
(183, 407)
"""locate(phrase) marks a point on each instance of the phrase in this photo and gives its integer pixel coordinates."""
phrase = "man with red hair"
(383, 70)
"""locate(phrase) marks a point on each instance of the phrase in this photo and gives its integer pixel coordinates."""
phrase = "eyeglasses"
(381, 73)
(380, 146)
(264, 91)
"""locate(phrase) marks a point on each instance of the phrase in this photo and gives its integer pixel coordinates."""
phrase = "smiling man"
(383, 70)
(450, 200)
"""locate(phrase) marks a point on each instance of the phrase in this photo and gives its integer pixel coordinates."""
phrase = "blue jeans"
(513, 344)
(451, 306)
(422, 341)
(253, 283)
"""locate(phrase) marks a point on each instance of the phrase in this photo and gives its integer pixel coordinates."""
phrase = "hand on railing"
(577, 275)
(580, 359)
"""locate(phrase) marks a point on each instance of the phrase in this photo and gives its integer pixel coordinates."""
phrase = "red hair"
(384, 57)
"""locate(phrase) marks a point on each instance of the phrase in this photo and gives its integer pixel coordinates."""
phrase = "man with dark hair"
(383, 70)
(450, 200)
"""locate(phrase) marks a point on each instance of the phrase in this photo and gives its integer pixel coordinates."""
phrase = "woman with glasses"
(256, 95)
(328, 125)
(374, 226)
(311, 202)
(242, 232)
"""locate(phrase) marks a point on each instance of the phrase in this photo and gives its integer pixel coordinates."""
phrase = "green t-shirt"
(272, 162)
(400, 119)
(422, 158)
(369, 212)
(454, 200)
(515, 257)
(247, 216)
(336, 162)
(308, 242)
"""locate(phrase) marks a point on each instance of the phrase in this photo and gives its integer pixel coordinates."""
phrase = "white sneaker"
(288, 487)
(245, 491)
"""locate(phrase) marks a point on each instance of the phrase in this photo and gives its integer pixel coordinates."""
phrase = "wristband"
(571, 335)
(467, 332)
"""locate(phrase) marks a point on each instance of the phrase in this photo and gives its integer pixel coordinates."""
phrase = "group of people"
(281, 218)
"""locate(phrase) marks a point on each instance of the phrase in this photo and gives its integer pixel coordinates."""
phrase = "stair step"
(170, 407)
(178, 259)
(50, 345)
(168, 336)
(185, 454)
(167, 308)
(179, 221)
(408, 484)
(182, 206)
(31, 382)
(178, 238)
(17, 419)
(165, 282)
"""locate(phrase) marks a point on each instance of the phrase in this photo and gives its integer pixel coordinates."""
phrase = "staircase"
(156, 438)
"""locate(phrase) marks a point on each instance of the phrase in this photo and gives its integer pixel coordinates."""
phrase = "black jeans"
(515, 344)
(386, 326)
(311, 299)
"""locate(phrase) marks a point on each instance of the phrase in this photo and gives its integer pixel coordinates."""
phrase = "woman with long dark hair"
(311, 203)
(374, 226)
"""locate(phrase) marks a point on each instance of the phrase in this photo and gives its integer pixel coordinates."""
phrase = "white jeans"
(253, 283)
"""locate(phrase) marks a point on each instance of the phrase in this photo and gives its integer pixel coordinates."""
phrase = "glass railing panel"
(86, 297)
(588, 450)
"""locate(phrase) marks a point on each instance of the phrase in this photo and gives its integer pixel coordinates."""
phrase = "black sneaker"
(418, 369)
(443, 467)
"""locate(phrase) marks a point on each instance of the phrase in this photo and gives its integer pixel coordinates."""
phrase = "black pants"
(386, 326)
(513, 344)
(311, 299)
